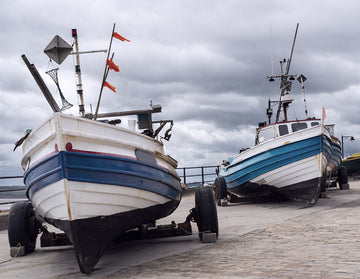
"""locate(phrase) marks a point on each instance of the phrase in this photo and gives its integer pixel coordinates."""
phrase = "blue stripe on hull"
(101, 169)
(272, 159)
(326, 147)
(336, 154)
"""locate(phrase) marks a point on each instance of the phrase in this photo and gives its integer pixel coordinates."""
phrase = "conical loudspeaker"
(58, 49)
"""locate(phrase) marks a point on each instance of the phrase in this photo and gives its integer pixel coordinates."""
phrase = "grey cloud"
(206, 62)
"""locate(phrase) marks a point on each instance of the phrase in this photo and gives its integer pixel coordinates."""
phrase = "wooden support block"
(17, 251)
(209, 237)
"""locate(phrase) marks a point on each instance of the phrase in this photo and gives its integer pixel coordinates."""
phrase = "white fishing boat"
(96, 181)
(293, 158)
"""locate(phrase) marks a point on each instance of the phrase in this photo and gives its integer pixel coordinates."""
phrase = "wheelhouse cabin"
(274, 130)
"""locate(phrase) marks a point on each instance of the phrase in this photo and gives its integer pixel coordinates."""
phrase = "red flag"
(121, 38)
(112, 65)
(108, 85)
(323, 113)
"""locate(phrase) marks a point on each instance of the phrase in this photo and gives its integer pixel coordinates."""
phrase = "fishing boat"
(292, 158)
(352, 164)
(96, 181)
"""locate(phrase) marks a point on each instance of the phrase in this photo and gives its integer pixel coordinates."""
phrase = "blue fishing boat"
(292, 158)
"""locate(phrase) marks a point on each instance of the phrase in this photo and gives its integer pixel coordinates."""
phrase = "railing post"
(202, 176)
(184, 176)
(192, 176)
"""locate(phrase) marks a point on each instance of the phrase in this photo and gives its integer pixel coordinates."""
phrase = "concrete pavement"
(274, 239)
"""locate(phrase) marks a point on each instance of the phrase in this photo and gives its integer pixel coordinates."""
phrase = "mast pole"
(269, 111)
(105, 74)
(282, 93)
(292, 50)
(78, 74)
(284, 80)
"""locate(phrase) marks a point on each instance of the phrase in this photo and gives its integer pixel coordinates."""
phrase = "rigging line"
(105, 73)
(48, 65)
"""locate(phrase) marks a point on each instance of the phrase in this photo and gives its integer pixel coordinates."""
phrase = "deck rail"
(12, 189)
(197, 176)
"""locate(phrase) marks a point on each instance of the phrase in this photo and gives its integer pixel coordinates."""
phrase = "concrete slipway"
(273, 239)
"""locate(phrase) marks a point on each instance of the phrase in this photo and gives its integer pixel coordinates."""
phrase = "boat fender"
(144, 156)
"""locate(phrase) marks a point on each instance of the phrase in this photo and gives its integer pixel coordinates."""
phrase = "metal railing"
(197, 176)
(12, 189)
(192, 177)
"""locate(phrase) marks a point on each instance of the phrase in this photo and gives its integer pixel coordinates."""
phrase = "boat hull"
(95, 188)
(352, 164)
(335, 157)
(90, 236)
(294, 166)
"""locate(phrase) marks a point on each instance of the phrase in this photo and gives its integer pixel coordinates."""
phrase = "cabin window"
(283, 130)
(298, 126)
(314, 124)
(265, 134)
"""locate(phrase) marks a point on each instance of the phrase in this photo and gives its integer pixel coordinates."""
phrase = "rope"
(17, 254)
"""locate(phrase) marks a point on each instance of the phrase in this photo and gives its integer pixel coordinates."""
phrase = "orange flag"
(112, 65)
(121, 38)
(108, 85)
(323, 113)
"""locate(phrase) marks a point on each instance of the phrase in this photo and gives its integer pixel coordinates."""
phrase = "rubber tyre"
(220, 190)
(206, 213)
(21, 223)
(342, 177)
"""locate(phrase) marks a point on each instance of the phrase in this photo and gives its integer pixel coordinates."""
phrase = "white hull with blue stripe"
(295, 158)
(293, 164)
(302, 170)
(88, 200)
(95, 181)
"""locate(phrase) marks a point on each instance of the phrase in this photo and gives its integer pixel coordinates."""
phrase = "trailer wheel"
(220, 190)
(206, 213)
(343, 178)
(21, 226)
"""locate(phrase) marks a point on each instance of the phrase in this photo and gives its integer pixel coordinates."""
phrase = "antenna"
(292, 50)
(272, 59)
(285, 85)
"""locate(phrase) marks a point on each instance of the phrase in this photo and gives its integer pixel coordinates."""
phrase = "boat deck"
(278, 239)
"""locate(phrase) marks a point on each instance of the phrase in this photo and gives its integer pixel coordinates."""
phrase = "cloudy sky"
(205, 62)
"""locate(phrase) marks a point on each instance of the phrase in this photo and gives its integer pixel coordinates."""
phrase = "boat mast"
(285, 85)
(106, 70)
(78, 74)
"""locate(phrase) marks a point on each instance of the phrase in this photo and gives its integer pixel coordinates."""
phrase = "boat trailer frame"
(146, 231)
